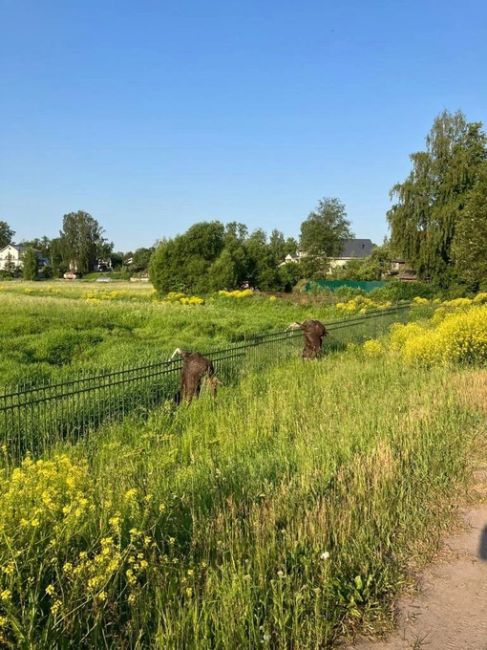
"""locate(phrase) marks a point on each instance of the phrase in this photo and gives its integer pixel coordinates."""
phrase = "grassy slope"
(238, 501)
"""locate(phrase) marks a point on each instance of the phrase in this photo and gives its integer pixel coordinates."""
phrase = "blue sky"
(154, 114)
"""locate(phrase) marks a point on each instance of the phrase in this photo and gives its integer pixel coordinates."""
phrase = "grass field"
(280, 521)
(282, 515)
(49, 326)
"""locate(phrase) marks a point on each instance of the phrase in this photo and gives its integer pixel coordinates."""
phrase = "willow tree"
(470, 245)
(430, 202)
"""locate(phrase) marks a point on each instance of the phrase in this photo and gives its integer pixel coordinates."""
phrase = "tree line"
(81, 247)
(439, 219)
(208, 256)
(211, 256)
(438, 225)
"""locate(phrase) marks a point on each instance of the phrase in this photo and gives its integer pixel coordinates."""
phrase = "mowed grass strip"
(282, 515)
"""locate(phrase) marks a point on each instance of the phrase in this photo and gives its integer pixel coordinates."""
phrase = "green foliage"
(59, 264)
(117, 259)
(243, 523)
(141, 259)
(223, 273)
(81, 241)
(323, 232)
(470, 244)
(211, 256)
(397, 291)
(289, 275)
(129, 325)
(313, 267)
(373, 267)
(6, 234)
(111, 275)
(430, 203)
(30, 267)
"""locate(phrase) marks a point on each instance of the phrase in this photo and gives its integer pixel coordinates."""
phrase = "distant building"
(353, 249)
(401, 270)
(104, 264)
(293, 259)
(11, 257)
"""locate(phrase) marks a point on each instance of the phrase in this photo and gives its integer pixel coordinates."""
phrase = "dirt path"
(451, 611)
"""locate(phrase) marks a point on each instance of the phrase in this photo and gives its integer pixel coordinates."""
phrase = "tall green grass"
(44, 335)
(282, 515)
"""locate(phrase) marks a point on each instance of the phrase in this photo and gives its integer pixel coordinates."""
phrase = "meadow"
(50, 329)
(285, 514)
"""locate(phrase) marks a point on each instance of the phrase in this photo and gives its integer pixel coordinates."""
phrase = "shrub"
(372, 348)
(456, 338)
(397, 291)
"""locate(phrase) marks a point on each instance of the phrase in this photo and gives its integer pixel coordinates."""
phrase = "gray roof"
(357, 248)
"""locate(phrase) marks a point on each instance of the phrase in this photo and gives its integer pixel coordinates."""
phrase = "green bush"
(396, 291)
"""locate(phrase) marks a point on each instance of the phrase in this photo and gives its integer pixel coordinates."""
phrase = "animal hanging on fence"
(313, 334)
(196, 370)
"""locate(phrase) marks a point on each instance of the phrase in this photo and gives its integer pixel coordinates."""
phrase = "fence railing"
(34, 418)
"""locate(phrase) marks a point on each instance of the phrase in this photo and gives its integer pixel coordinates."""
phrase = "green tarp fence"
(352, 284)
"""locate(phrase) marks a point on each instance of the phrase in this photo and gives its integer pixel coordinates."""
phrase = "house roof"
(356, 248)
(17, 247)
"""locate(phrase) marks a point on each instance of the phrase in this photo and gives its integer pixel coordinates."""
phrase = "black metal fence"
(35, 418)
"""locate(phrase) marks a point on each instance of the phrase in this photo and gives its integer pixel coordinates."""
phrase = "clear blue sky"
(154, 114)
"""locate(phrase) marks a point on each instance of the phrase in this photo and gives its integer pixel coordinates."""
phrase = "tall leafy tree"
(6, 234)
(430, 202)
(56, 258)
(30, 264)
(262, 267)
(141, 259)
(82, 241)
(183, 263)
(210, 256)
(470, 244)
(223, 273)
(325, 229)
(40, 244)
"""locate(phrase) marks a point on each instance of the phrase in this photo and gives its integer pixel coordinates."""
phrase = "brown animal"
(196, 369)
(313, 334)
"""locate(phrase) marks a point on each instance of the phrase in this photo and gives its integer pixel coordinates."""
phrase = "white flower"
(280, 574)
(324, 556)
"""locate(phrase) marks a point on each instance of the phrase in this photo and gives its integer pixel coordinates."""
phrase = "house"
(352, 249)
(11, 257)
(401, 270)
(104, 264)
(293, 259)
